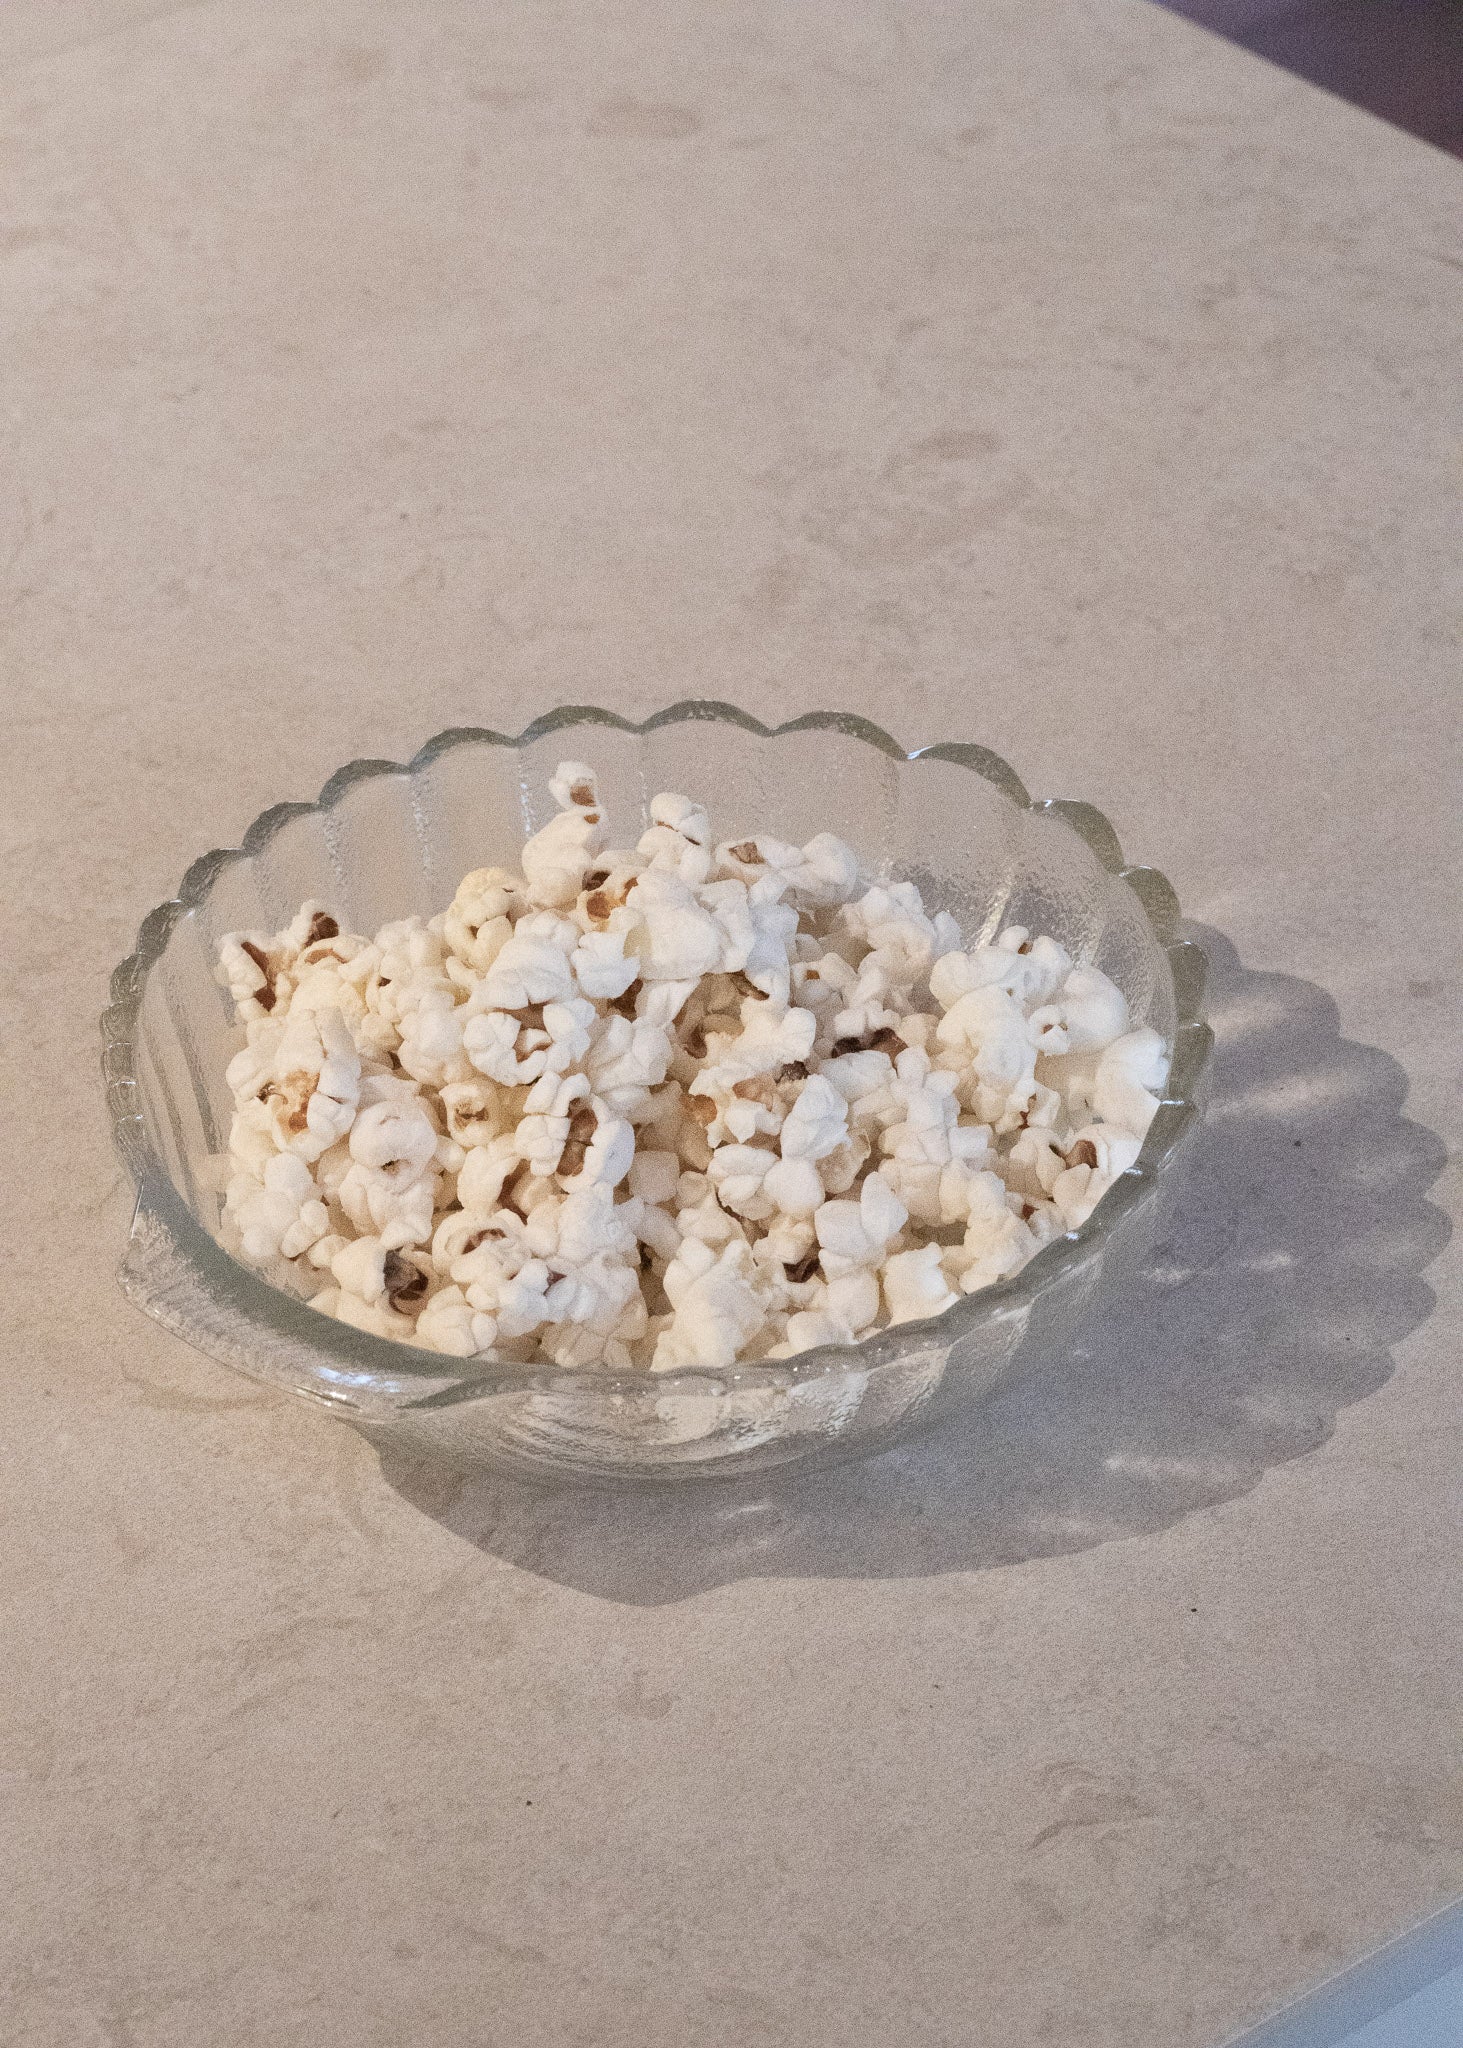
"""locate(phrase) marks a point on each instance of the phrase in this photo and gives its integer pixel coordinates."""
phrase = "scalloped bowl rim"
(380, 1364)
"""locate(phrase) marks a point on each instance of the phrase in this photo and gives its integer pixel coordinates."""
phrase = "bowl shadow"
(1292, 1268)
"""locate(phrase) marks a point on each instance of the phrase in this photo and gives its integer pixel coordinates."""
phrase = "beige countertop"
(1029, 371)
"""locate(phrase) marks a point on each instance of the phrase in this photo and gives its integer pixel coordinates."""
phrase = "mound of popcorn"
(671, 1105)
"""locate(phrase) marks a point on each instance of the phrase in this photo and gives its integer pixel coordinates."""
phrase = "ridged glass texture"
(385, 840)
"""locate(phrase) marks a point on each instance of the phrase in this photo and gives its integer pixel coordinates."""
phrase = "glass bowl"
(385, 841)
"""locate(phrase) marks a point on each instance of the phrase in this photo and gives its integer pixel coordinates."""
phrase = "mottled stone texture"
(1042, 373)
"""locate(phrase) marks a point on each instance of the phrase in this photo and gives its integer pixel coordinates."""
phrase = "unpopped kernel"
(668, 1105)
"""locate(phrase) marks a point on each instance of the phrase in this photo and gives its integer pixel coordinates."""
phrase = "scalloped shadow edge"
(250, 1297)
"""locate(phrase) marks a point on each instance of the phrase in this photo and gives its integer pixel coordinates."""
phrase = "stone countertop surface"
(1042, 372)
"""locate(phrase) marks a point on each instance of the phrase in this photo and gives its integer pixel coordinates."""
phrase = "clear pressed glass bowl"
(384, 841)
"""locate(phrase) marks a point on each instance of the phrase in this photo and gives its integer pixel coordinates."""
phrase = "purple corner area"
(1401, 59)
(1406, 1995)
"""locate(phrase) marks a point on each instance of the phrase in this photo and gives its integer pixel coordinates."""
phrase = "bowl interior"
(388, 842)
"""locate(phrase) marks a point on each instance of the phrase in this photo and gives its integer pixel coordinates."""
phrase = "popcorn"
(484, 1172)
(891, 920)
(374, 1317)
(658, 1232)
(574, 786)
(717, 1309)
(532, 966)
(771, 1040)
(302, 1080)
(479, 921)
(1026, 970)
(822, 983)
(588, 1220)
(788, 1242)
(865, 1081)
(450, 1323)
(854, 1297)
(1096, 1158)
(281, 1215)
(709, 1221)
(809, 1327)
(794, 1186)
(867, 1010)
(544, 1130)
(660, 1003)
(1129, 1075)
(523, 1300)
(679, 839)
(668, 1106)
(556, 859)
(494, 1252)
(607, 1156)
(360, 1267)
(654, 1175)
(502, 1046)
(431, 1038)
(827, 872)
(738, 1174)
(245, 970)
(855, 1234)
(395, 1137)
(676, 937)
(992, 1037)
(758, 927)
(627, 1056)
(817, 1123)
(996, 1240)
(405, 961)
(571, 1028)
(1089, 1012)
(914, 1285)
(374, 1201)
(601, 967)
(928, 1152)
(839, 1169)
